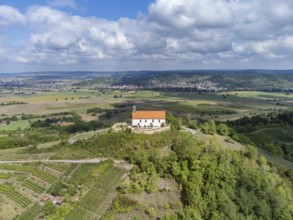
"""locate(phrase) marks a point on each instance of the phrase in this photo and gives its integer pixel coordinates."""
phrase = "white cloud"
(186, 33)
(190, 13)
(10, 15)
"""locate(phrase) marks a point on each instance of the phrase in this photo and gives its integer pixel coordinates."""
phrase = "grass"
(157, 199)
(274, 159)
(16, 125)
(262, 95)
(271, 135)
(48, 145)
(20, 124)
(86, 135)
(30, 213)
(277, 140)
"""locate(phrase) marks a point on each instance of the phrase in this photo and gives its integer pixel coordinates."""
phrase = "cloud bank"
(181, 34)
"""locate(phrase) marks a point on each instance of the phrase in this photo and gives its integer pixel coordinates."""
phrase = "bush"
(223, 129)
(48, 208)
(151, 211)
(209, 127)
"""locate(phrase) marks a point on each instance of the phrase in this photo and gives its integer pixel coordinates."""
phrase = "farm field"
(51, 102)
(185, 102)
(99, 198)
(24, 185)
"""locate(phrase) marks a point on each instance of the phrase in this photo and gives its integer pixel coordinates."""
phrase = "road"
(189, 130)
(94, 160)
(86, 135)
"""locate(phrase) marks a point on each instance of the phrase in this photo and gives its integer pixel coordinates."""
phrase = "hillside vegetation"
(214, 182)
(272, 132)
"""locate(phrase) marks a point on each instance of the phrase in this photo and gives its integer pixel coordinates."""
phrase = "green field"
(276, 140)
(15, 125)
(270, 135)
(263, 95)
(18, 125)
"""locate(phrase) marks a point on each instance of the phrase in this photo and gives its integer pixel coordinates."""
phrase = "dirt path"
(119, 163)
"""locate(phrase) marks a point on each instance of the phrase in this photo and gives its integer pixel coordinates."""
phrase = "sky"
(120, 35)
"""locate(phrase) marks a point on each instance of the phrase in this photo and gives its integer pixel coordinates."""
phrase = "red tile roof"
(149, 115)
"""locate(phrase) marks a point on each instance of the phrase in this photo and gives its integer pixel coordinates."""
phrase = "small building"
(45, 198)
(148, 118)
(58, 200)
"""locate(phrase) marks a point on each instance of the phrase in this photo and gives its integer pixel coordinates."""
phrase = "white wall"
(148, 122)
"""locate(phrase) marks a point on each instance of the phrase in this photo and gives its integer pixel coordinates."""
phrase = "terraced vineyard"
(44, 176)
(22, 176)
(5, 188)
(31, 185)
(5, 175)
(97, 200)
(82, 172)
(99, 181)
(10, 192)
(17, 197)
(59, 167)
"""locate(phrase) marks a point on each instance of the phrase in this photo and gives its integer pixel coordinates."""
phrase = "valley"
(66, 154)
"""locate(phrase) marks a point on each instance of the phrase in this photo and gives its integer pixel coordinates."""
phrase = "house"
(148, 118)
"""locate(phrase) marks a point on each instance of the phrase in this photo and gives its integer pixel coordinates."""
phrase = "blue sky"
(108, 9)
(105, 35)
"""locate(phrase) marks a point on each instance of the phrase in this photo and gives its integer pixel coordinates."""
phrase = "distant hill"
(266, 80)
(198, 80)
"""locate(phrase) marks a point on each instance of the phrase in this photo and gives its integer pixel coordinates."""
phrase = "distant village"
(202, 86)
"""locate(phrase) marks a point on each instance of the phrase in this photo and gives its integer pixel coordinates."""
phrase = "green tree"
(48, 208)
(175, 122)
(193, 124)
(209, 127)
(223, 129)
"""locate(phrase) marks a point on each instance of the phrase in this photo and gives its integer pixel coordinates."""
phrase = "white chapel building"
(148, 118)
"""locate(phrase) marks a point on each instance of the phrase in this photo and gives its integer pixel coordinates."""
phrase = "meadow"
(15, 125)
